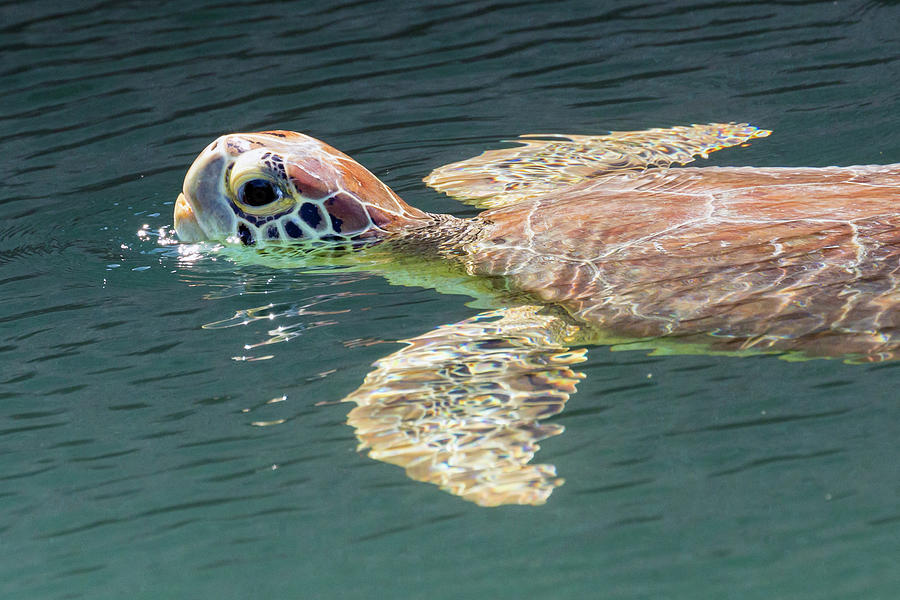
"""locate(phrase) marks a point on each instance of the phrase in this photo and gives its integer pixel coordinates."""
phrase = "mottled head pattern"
(281, 186)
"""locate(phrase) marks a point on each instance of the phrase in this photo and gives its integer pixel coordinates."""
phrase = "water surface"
(134, 459)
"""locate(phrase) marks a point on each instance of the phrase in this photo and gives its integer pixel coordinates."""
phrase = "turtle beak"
(202, 211)
(186, 226)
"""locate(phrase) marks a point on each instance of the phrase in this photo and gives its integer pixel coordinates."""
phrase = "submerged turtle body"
(590, 239)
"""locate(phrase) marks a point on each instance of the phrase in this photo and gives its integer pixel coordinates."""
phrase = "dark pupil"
(258, 192)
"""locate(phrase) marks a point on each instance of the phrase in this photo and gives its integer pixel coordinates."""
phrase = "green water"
(131, 467)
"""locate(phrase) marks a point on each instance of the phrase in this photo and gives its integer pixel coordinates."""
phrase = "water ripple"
(761, 462)
(763, 421)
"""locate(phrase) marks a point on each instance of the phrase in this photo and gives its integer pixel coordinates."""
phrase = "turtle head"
(283, 187)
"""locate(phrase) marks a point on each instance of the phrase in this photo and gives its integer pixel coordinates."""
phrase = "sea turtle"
(586, 239)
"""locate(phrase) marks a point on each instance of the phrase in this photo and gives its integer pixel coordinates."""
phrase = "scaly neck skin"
(440, 234)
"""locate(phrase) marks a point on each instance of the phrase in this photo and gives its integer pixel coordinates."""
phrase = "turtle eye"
(258, 192)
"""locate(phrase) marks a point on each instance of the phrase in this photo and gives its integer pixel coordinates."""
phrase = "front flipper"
(460, 407)
(547, 162)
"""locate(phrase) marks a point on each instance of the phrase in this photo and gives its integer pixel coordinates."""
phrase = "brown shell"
(776, 259)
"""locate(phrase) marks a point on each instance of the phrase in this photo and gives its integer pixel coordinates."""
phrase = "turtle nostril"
(245, 235)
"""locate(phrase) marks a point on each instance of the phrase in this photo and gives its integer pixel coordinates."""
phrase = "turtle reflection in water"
(585, 240)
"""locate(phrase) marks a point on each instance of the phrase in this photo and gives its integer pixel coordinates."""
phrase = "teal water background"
(131, 466)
